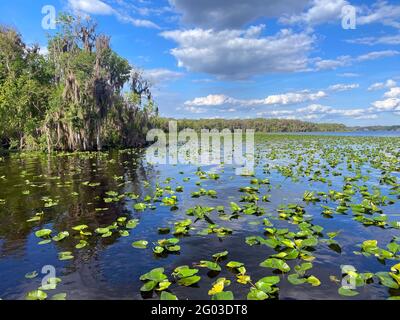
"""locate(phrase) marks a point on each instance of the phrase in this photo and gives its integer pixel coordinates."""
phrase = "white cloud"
(91, 7)
(348, 75)
(382, 85)
(330, 64)
(212, 100)
(367, 117)
(156, 76)
(326, 110)
(392, 101)
(240, 54)
(280, 99)
(290, 98)
(318, 111)
(343, 61)
(390, 104)
(393, 93)
(381, 12)
(344, 87)
(377, 55)
(136, 22)
(371, 41)
(314, 108)
(97, 7)
(320, 11)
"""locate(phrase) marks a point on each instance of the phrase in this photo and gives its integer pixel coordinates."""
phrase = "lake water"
(74, 189)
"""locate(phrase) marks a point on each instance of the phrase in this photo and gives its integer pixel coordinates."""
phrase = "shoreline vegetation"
(79, 96)
(83, 96)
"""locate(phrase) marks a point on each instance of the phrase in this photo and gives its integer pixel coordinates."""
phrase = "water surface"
(109, 268)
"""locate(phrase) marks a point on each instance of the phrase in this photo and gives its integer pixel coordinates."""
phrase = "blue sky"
(244, 59)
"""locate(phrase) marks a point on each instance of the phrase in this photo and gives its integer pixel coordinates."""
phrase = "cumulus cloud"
(280, 99)
(233, 14)
(390, 104)
(382, 85)
(320, 11)
(156, 76)
(393, 93)
(392, 101)
(240, 54)
(290, 98)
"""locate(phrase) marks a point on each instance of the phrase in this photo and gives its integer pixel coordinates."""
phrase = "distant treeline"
(378, 128)
(259, 125)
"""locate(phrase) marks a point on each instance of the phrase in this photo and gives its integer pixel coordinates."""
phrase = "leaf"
(34, 219)
(141, 244)
(167, 296)
(184, 272)
(256, 294)
(243, 279)
(275, 263)
(163, 285)
(224, 295)
(218, 286)
(36, 295)
(123, 233)
(314, 281)
(210, 265)
(156, 275)
(80, 227)
(62, 235)
(59, 296)
(310, 242)
(102, 230)
(148, 286)
(43, 233)
(131, 224)
(66, 255)
(220, 255)
(81, 244)
(158, 250)
(271, 280)
(234, 264)
(31, 275)
(386, 280)
(347, 292)
(295, 279)
(140, 206)
(189, 281)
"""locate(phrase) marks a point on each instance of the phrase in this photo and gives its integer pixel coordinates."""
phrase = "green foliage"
(71, 98)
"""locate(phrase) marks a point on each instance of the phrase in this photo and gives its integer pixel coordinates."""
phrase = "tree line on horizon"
(258, 124)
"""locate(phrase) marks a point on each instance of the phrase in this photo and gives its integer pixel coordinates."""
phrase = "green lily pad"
(141, 244)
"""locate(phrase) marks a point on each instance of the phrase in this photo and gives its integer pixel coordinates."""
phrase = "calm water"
(109, 268)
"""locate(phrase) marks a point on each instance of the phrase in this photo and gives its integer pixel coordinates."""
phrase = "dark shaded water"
(109, 268)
